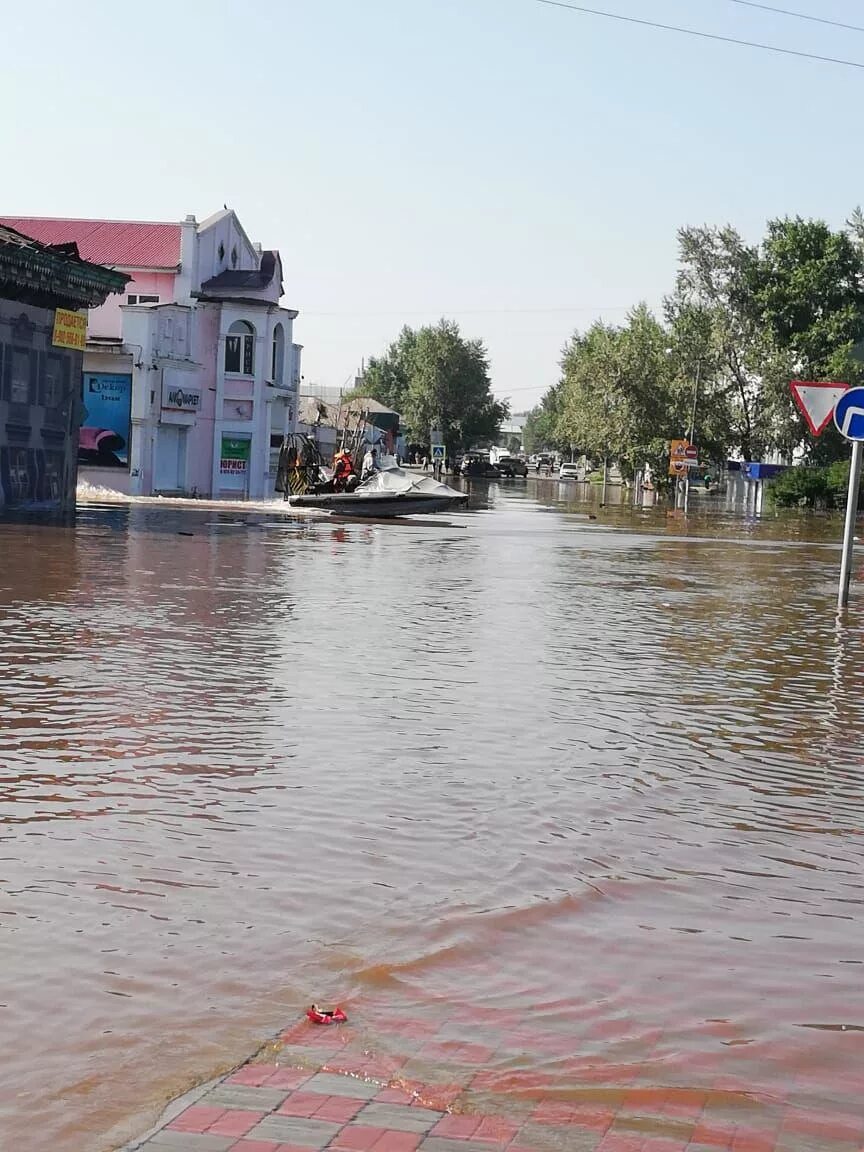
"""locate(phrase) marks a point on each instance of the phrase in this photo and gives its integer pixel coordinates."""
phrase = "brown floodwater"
(569, 793)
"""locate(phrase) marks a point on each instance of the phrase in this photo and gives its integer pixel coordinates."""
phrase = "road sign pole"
(849, 527)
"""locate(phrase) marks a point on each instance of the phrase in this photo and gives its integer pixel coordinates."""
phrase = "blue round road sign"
(849, 414)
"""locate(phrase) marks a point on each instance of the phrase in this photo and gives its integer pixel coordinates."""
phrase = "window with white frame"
(240, 348)
(137, 298)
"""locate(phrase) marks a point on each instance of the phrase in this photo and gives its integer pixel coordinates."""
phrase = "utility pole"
(691, 432)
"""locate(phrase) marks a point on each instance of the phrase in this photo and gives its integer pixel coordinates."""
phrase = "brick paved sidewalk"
(273, 1108)
(320, 1088)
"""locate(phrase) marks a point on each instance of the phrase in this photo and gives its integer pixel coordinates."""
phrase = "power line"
(701, 35)
(798, 15)
(480, 311)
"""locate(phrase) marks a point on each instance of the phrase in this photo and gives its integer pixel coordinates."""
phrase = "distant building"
(326, 423)
(512, 429)
(191, 379)
(42, 336)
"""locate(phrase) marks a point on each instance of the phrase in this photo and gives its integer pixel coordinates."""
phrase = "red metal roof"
(118, 243)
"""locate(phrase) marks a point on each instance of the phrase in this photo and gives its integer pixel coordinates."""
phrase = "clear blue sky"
(521, 168)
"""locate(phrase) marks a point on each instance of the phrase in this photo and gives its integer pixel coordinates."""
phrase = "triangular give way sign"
(816, 400)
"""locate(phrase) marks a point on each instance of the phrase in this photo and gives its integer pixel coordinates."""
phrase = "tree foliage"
(812, 487)
(434, 377)
(741, 321)
(619, 392)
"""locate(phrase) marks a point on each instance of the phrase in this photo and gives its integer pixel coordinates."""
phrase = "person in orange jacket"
(343, 470)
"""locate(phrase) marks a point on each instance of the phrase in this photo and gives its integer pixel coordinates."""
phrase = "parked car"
(511, 466)
(479, 467)
(568, 471)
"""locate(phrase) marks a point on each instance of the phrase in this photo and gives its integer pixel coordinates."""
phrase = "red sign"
(815, 400)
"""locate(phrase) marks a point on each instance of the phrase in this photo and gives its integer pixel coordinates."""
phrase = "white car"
(568, 472)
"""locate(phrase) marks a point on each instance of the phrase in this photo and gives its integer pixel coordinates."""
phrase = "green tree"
(434, 377)
(716, 326)
(808, 288)
(542, 423)
(621, 396)
(808, 285)
(743, 320)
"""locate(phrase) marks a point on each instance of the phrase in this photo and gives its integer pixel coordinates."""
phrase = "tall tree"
(808, 288)
(808, 285)
(434, 377)
(717, 328)
(541, 427)
(621, 393)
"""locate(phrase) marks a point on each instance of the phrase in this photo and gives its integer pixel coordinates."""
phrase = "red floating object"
(326, 1016)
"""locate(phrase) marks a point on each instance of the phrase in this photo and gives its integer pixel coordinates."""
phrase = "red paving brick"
(304, 1104)
(457, 1127)
(397, 1142)
(287, 1078)
(620, 1142)
(714, 1137)
(358, 1138)
(339, 1109)
(198, 1118)
(394, 1096)
(236, 1122)
(449, 1051)
(495, 1131)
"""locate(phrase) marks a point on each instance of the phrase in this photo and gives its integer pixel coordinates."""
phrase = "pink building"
(191, 377)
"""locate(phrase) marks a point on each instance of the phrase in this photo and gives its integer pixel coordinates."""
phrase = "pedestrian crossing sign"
(437, 451)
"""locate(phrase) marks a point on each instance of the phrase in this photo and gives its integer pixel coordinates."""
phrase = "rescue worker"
(343, 469)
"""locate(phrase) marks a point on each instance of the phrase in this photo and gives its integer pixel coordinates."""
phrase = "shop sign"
(70, 329)
(234, 458)
(178, 399)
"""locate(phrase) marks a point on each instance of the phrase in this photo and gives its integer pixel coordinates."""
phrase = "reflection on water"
(564, 790)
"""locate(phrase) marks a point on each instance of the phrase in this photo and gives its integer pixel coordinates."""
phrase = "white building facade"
(192, 381)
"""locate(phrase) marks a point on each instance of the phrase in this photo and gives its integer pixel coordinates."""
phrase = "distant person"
(370, 464)
(425, 463)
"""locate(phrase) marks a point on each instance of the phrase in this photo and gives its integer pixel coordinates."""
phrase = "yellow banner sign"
(70, 329)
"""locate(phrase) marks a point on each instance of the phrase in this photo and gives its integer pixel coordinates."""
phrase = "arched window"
(240, 348)
(277, 364)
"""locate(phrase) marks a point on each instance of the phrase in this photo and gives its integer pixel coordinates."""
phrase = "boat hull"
(378, 505)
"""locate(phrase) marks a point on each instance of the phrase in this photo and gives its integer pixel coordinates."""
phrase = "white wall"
(223, 228)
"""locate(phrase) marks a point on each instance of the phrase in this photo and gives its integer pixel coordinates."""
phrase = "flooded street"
(580, 799)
